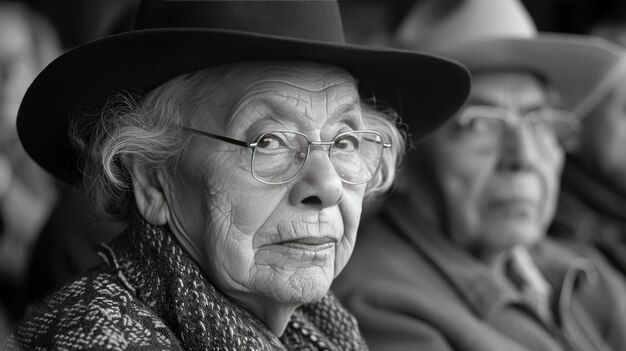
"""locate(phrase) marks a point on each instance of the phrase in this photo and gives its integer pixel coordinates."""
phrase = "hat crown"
(437, 23)
(318, 20)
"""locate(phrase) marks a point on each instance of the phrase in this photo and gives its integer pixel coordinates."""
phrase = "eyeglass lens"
(280, 156)
(492, 122)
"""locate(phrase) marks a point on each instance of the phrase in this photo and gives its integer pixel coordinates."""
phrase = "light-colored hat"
(610, 81)
(488, 35)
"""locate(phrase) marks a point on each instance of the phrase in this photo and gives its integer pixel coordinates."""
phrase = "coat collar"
(473, 280)
(476, 283)
(154, 267)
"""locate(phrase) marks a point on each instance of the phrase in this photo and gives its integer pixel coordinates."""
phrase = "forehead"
(247, 89)
(508, 89)
(309, 76)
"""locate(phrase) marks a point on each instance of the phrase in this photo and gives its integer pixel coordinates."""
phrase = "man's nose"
(517, 149)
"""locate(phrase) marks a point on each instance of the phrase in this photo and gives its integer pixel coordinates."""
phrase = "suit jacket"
(413, 289)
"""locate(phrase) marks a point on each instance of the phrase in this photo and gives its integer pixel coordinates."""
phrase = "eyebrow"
(488, 102)
(341, 111)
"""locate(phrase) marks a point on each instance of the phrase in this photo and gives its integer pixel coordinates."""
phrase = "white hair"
(149, 130)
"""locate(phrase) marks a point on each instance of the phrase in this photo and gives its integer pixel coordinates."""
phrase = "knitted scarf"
(151, 295)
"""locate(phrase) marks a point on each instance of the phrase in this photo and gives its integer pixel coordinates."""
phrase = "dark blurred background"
(60, 252)
(79, 21)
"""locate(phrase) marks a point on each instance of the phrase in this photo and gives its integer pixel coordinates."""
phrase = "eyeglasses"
(278, 157)
(490, 122)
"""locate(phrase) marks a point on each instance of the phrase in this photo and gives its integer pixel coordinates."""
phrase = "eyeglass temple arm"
(385, 145)
(218, 137)
(245, 144)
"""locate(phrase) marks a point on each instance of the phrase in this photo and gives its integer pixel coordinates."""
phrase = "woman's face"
(280, 243)
(498, 192)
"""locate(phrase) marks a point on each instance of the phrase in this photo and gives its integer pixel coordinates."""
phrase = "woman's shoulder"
(95, 311)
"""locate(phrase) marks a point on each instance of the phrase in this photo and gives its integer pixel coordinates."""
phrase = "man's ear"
(148, 191)
(572, 144)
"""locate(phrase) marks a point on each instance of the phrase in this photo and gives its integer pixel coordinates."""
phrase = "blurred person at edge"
(233, 138)
(65, 245)
(27, 193)
(592, 201)
(458, 258)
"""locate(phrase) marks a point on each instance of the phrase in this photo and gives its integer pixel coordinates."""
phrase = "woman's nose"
(318, 185)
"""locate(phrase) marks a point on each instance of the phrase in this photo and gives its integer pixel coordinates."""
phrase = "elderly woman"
(235, 142)
(457, 259)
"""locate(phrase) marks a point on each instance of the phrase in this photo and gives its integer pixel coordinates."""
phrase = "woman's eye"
(347, 143)
(271, 141)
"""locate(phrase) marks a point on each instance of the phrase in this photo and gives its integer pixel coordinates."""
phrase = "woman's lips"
(299, 253)
(310, 243)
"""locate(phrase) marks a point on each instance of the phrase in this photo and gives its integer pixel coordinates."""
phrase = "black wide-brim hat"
(174, 37)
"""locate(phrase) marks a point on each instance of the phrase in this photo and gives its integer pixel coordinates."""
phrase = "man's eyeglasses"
(279, 157)
(490, 122)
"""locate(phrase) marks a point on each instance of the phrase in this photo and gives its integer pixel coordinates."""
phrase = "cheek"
(243, 203)
(236, 195)
(235, 216)
(221, 209)
(548, 160)
(548, 153)
(463, 175)
(254, 205)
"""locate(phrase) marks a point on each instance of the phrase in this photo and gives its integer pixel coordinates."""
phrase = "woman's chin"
(301, 287)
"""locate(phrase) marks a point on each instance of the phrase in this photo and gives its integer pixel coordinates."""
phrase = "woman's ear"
(148, 191)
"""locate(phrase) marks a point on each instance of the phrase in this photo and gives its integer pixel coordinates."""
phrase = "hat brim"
(573, 65)
(424, 89)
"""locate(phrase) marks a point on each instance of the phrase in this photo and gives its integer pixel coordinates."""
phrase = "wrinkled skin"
(242, 232)
(497, 196)
(603, 139)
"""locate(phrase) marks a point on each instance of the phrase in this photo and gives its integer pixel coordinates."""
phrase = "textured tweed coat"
(149, 295)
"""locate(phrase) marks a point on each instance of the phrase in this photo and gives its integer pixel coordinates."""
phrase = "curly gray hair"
(149, 130)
